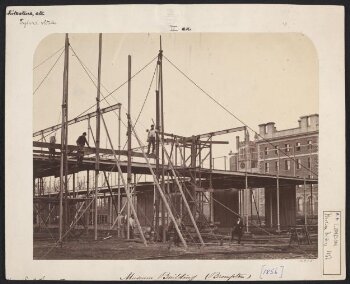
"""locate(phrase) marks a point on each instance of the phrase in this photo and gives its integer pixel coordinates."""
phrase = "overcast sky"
(258, 77)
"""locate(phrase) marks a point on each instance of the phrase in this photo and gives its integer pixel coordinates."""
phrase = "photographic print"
(175, 142)
(159, 168)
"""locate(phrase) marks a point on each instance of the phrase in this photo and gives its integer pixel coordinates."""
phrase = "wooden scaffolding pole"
(98, 115)
(278, 194)
(129, 146)
(119, 199)
(162, 132)
(63, 172)
(182, 193)
(124, 184)
(156, 181)
(157, 127)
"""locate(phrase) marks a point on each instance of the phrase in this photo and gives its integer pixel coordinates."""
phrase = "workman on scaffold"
(237, 230)
(151, 139)
(81, 141)
(52, 151)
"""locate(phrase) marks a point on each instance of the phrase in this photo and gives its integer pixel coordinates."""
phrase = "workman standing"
(52, 150)
(131, 226)
(81, 141)
(151, 139)
(237, 230)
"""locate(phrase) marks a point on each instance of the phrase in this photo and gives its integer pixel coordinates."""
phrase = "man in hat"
(237, 230)
(52, 151)
(151, 139)
(81, 141)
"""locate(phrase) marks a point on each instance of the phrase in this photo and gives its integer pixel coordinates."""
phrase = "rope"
(48, 58)
(110, 93)
(48, 73)
(232, 114)
(144, 101)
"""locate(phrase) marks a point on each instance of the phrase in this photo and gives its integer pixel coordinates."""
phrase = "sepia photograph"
(135, 156)
(175, 142)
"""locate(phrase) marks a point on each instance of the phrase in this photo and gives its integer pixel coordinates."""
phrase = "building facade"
(292, 152)
(288, 152)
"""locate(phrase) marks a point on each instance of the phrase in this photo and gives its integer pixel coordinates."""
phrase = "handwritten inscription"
(227, 277)
(331, 242)
(31, 18)
(171, 276)
(270, 272)
(25, 13)
(174, 28)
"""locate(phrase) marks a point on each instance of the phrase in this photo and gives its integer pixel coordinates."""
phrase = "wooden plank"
(89, 150)
(77, 119)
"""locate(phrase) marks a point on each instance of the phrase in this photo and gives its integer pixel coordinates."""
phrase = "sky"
(259, 77)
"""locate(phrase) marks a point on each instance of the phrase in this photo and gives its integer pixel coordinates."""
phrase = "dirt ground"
(114, 248)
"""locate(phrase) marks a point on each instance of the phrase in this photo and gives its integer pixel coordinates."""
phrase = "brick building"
(289, 152)
(292, 152)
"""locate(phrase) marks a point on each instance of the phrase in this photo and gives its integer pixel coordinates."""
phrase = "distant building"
(288, 152)
(292, 152)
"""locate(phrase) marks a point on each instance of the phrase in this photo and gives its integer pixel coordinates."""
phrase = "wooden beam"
(220, 132)
(87, 150)
(77, 119)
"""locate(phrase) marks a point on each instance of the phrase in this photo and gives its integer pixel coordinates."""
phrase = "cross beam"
(77, 119)
(220, 132)
(87, 150)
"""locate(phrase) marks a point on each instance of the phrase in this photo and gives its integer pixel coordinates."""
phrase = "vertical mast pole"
(162, 132)
(278, 194)
(64, 133)
(119, 199)
(157, 197)
(129, 145)
(98, 116)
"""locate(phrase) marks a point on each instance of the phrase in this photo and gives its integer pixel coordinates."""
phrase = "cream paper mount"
(230, 83)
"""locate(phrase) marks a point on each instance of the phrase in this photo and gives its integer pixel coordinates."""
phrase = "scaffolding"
(181, 175)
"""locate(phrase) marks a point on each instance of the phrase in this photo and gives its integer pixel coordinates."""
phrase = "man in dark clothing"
(151, 139)
(81, 141)
(52, 151)
(237, 230)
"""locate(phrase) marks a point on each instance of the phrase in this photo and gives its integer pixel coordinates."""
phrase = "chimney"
(262, 129)
(304, 122)
(270, 127)
(313, 118)
(237, 143)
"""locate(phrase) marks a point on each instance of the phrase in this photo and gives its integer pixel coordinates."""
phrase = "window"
(309, 144)
(265, 129)
(298, 162)
(276, 149)
(287, 165)
(310, 205)
(297, 146)
(300, 203)
(266, 151)
(309, 163)
(101, 219)
(267, 167)
(287, 147)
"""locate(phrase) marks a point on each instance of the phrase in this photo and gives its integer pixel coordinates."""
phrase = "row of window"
(101, 218)
(287, 165)
(287, 147)
(311, 205)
